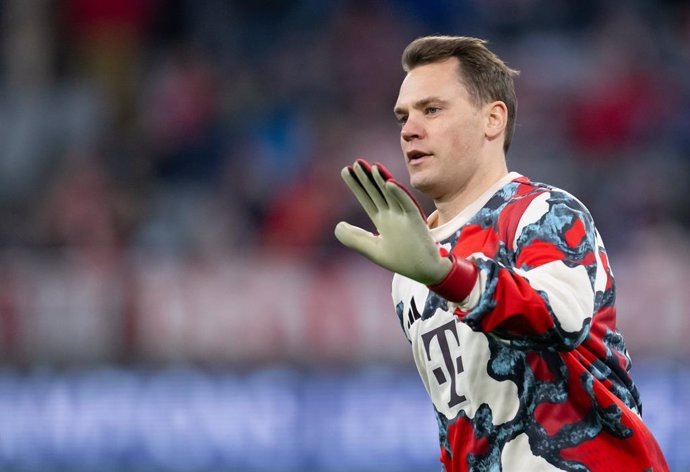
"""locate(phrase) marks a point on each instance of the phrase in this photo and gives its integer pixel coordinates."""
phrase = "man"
(505, 292)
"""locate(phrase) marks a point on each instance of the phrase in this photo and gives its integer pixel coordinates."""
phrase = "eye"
(401, 119)
(431, 110)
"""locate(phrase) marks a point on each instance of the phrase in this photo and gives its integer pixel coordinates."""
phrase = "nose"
(411, 130)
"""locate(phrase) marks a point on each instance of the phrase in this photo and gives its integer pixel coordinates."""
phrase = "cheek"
(467, 135)
(460, 140)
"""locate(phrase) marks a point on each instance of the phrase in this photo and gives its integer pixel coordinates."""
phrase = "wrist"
(458, 281)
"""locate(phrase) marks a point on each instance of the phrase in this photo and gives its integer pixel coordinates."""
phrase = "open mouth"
(416, 155)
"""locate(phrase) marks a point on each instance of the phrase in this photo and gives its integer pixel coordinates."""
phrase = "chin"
(426, 186)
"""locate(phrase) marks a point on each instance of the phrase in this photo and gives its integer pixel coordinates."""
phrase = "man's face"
(442, 132)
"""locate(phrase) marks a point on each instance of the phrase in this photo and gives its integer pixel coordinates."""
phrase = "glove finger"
(352, 181)
(385, 173)
(380, 182)
(405, 199)
(388, 177)
(356, 238)
(366, 178)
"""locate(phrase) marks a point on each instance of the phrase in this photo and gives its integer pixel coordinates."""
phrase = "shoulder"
(541, 208)
(528, 194)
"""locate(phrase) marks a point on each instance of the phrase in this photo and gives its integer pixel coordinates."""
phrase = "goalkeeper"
(505, 292)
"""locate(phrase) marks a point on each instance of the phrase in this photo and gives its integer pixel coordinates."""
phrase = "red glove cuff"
(459, 282)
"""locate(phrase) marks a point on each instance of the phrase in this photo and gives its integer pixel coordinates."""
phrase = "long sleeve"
(527, 371)
(540, 268)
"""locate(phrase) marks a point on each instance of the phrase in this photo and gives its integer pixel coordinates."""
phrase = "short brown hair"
(486, 77)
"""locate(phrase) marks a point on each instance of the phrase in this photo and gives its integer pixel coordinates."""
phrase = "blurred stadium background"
(171, 296)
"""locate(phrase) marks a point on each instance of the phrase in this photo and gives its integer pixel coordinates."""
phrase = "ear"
(496, 114)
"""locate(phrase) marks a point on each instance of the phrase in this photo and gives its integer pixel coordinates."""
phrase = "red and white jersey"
(528, 373)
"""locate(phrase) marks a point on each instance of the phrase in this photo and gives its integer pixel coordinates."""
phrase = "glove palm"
(403, 243)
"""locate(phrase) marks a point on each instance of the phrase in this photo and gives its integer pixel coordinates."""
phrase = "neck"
(448, 206)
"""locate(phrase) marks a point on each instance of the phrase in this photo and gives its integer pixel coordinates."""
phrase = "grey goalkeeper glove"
(403, 244)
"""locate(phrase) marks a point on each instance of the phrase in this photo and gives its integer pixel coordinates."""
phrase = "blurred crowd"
(153, 153)
(206, 126)
(169, 184)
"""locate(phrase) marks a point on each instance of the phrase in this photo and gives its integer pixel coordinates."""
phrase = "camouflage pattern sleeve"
(542, 278)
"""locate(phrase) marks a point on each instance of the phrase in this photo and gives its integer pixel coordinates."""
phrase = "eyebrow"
(420, 104)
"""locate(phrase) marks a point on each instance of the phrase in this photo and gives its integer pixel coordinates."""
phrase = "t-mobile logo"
(453, 365)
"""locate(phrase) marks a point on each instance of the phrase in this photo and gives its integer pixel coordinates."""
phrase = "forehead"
(438, 79)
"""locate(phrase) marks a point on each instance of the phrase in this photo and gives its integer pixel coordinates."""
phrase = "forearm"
(549, 308)
(539, 288)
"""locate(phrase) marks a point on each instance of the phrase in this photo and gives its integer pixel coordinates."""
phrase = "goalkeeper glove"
(403, 244)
